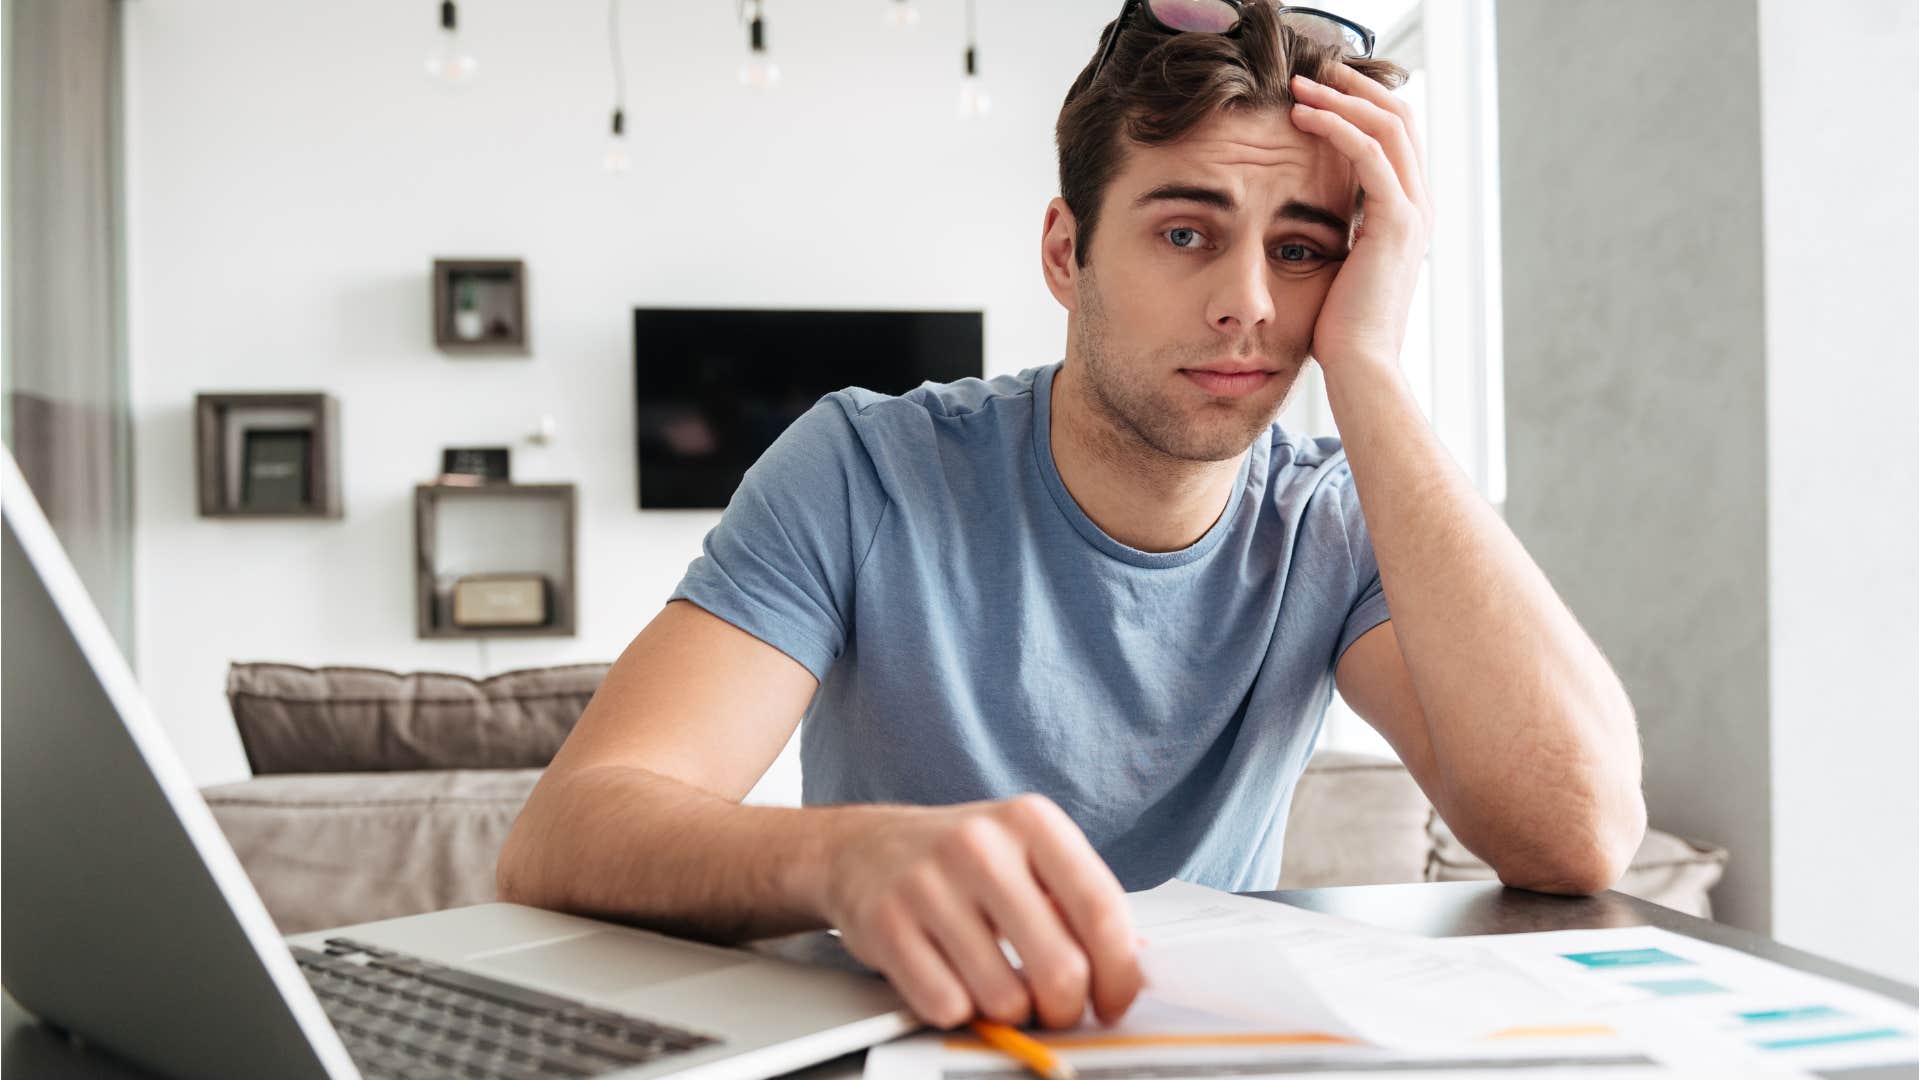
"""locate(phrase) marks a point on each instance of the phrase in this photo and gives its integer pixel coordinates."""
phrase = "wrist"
(813, 863)
(1359, 365)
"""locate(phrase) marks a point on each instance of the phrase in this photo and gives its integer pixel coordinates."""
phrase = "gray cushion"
(1356, 820)
(331, 850)
(350, 719)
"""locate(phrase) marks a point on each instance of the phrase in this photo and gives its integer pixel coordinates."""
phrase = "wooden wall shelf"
(488, 529)
(267, 455)
(480, 306)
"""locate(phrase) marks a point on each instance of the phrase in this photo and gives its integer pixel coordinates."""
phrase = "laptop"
(129, 922)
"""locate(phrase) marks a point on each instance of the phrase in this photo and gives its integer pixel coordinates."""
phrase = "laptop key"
(404, 1016)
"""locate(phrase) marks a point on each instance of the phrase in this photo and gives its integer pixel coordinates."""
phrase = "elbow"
(509, 877)
(516, 875)
(1583, 861)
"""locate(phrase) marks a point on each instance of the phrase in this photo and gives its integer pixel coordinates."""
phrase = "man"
(1074, 631)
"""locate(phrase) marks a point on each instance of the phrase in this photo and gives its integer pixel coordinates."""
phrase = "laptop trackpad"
(607, 962)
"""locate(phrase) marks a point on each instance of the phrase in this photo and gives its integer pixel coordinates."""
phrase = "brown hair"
(1157, 87)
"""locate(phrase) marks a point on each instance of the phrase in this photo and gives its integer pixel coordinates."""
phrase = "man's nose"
(1242, 294)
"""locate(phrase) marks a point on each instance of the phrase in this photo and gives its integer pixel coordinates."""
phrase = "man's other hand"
(924, 895)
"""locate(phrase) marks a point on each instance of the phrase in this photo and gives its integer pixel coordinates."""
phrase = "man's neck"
(1137, 495)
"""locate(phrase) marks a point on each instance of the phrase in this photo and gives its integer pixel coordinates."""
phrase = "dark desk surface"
(1448, 909)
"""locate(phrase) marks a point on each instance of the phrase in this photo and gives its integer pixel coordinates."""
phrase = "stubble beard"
(1126, 395)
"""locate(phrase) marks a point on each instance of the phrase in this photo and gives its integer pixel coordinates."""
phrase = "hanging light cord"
(613, 46)
(971, 36)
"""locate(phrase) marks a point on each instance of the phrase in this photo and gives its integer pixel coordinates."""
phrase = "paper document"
(1280, 966)
(1159, 1040)
(1652, 979)
(1238, 987)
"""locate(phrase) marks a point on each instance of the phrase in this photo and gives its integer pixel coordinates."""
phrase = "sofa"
(377, 794)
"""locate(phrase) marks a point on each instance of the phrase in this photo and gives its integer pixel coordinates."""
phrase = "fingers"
(1089, 898)
(909, 960)
(1381, 124)
(972, 946)
(1348, 81)
(1388, 205)
(1058, 973)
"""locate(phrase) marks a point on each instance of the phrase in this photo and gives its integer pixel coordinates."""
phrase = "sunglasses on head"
(1354, 42)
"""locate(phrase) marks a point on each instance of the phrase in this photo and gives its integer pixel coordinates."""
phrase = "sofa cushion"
(295, 719)
(1357, 819)
(343, 848)
(1667, 869)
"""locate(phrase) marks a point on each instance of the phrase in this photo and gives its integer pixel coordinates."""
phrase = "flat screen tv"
(715, 387)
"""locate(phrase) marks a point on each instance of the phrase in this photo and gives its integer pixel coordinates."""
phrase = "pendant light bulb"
(617, 159)
(448, 61)
(759, 72)
(974, 101)
(902, 13)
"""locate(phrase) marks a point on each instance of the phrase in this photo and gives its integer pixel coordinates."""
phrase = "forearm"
(623, 843)
(1532, 736)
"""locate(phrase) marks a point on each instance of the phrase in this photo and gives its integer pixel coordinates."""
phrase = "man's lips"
(1231, 369)
(1228, 380)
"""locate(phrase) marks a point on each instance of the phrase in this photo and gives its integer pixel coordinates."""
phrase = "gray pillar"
(1635, 356)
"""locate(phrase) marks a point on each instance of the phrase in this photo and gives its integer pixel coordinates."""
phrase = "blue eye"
(1297, 253)
(1174, 234)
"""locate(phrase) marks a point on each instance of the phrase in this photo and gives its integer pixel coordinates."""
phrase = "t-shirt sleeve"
(1368, 607)
(782, 561)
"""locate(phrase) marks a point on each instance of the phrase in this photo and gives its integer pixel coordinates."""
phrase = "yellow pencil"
(1030, 1052)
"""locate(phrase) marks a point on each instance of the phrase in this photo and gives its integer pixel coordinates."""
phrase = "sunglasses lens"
(1326, 31)
(1211, 16)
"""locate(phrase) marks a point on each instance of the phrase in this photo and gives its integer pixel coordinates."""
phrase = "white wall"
(291, 173)
(1843, 474)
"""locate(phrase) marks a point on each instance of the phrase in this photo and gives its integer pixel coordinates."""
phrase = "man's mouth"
(1229, 380)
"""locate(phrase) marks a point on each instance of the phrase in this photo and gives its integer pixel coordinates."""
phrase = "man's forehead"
(1249, 154)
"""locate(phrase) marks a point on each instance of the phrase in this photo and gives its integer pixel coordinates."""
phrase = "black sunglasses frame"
(1238, 6)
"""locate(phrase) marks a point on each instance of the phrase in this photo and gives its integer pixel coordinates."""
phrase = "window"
(1452, 352)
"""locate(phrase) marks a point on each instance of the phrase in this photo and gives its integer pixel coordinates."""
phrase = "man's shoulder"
(949, 400)
(985, 416)
(1295, 460)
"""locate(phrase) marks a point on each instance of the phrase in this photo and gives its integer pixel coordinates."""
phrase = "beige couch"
(367, 804)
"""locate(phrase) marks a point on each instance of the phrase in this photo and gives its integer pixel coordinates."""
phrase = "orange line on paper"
(1112, 1042)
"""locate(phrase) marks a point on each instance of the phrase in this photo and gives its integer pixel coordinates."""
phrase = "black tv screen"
(715, 387)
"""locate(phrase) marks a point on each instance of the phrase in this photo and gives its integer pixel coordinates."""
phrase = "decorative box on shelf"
(495, 560)
(267, 455)
(480, 306)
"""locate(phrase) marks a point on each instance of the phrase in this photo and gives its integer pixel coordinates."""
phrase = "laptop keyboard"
(401, 1016)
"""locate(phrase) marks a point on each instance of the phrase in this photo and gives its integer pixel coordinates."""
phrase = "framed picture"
(276, 468)
(475, 465)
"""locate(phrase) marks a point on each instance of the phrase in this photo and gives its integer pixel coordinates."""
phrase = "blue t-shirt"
(977, 636)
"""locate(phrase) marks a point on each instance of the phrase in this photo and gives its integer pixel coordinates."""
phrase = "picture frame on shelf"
(253, 451)
(276, 469)
(476, 465)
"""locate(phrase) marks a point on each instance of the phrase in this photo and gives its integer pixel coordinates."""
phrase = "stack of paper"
(1238, 987)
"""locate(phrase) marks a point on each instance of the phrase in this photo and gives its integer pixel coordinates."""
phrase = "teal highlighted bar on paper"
(1681, 987)
(1830, 1040)
(1620, 958)
(1774, 1016)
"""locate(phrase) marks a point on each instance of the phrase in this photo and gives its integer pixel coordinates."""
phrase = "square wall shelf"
(480, 306)
(272, 455)
(490, 533)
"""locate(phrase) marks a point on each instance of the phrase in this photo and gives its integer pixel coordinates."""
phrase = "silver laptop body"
(128, 920)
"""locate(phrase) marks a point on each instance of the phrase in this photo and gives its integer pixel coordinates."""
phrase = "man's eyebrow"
(1294, 210)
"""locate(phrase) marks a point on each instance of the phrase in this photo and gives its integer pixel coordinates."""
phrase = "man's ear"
(1059, 235)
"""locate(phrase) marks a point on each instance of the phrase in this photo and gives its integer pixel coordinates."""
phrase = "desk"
(30, 1051)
